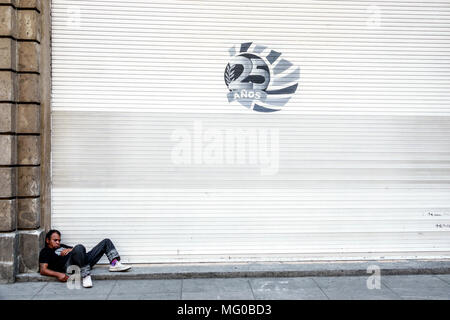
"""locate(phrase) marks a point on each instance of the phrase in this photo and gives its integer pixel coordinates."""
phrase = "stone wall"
(24, 99)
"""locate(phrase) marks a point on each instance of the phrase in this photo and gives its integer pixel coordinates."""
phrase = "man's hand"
(62, 277)
(45, 271)
(65, 252)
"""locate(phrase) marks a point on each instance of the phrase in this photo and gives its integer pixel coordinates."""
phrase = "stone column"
(21, 235)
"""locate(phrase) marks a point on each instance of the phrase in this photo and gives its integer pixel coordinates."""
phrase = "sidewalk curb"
(261, 270)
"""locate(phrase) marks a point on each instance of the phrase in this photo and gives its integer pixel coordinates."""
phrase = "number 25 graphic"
(255, 74)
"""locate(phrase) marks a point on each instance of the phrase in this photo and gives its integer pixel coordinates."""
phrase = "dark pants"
(86, 261)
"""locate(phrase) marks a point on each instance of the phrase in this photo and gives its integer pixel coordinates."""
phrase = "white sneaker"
(87, 282)
(118, 267)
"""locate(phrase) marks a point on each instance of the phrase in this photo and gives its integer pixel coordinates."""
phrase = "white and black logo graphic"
(258, 79)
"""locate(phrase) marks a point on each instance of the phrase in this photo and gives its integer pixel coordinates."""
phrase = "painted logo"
(258, 79)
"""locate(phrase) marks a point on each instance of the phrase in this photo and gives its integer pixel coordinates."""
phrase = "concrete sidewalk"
(400, 279)
(393, 287)
(262, 270)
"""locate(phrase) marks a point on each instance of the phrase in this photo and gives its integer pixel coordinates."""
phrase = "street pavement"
(392, 287)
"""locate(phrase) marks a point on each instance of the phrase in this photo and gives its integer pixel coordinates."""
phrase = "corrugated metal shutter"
(358, 160)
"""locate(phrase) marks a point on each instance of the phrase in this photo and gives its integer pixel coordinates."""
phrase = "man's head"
(53, 239)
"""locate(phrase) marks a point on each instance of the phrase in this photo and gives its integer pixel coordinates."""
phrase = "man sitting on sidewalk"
(55, 258)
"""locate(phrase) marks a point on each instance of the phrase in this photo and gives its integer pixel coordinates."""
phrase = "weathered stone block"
(7, 117)
(28, 150)
(13, 2)
(8, 147)
(28, 118)
(29, 4)
(30, 243)
(8, 54)
(28, 53)
(29, 90)
(5, 53)
(28, 25)
(8, 182)
(7, 85)
(8, 21)
(28, 213)
(8, 271)
(9, 247)
(28, 184)
(8, 215)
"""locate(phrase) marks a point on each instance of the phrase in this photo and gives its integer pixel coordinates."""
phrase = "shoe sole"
(120, 270)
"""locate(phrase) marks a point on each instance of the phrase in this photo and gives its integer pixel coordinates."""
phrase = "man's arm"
(45, 271)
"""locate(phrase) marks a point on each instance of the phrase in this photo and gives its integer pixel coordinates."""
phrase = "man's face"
(54, 242)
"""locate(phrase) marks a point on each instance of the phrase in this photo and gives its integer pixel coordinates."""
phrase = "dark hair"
(49, 234)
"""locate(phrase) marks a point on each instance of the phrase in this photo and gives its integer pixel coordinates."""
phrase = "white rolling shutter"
(355, 166)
